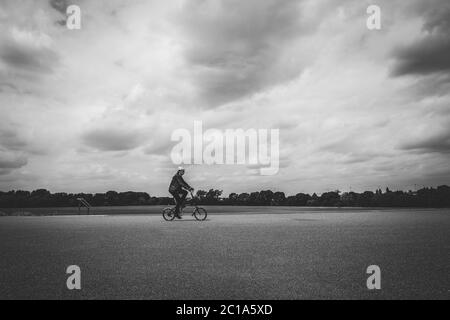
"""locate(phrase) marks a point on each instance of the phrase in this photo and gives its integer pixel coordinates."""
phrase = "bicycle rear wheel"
(200, 213)
(169, 213)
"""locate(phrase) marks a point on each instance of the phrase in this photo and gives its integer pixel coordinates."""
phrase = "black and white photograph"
(244, 151)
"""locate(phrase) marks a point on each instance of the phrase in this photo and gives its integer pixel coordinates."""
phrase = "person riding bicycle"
(176, 189)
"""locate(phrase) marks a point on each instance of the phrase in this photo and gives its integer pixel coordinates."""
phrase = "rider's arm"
(184, 183)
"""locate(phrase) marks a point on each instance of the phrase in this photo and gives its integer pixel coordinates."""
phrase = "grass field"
(254, 253)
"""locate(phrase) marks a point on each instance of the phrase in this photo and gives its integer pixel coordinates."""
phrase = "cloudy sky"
(93, 110)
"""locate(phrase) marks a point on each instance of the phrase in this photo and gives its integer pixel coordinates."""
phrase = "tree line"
(425, 197)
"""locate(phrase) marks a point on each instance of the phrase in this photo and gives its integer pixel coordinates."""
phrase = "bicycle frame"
(192, 202)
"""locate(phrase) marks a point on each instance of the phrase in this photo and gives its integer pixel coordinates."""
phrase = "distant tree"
(330, 199)
(301, 199)
(365, 199)
(349, 199)
(201, 194)
(254, 198)
(233, 198)
(112, 198)
(425, 197)
(243, 198)
(279, 198)
(212, 196)
(264, 197)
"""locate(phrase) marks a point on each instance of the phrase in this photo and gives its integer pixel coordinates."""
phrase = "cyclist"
(176, 189)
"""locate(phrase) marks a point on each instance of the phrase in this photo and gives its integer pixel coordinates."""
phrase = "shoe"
(177, 216)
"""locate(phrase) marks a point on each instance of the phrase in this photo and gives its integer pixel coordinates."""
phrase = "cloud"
(430, 53)
(10, 160)
(10, 139)
(235, 48)
(59, 5)
(112, 139)
(30, 51)
(435, 143)
(159, 147)
(8, 87)
(310, 68)
(91, 171)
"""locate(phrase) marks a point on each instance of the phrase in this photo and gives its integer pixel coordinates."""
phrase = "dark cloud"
(435, 143)
(4, 172)
(234, 46)
(112, 139)
(28, 57)
(437, 85)
(8, 87)
(10, 160)
(14, 163)
(358, 158)
(17, 138)
(59, 5)
(11, 140)
(12, 88)
(430, 53)
(11, 150)
(427, 56)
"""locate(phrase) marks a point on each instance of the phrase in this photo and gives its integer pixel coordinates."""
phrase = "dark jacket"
(177, 183)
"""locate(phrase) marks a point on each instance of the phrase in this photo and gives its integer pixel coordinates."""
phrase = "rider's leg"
(178, 201)
(184, 194)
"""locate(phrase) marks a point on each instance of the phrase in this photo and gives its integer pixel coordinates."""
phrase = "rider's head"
(180, 171)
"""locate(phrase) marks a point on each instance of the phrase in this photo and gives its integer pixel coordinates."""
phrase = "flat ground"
(285, 253)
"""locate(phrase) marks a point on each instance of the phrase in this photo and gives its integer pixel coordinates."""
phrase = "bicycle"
(199, 213)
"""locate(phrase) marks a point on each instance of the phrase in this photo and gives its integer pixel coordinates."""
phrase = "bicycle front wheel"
(200, 214)
(168, 213)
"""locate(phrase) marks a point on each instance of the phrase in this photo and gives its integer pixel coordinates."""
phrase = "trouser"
(180, 196)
